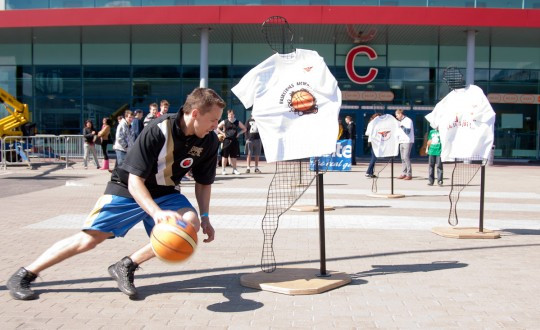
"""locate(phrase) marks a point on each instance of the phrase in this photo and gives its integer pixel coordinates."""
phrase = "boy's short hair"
(203, 99)
(164, 103)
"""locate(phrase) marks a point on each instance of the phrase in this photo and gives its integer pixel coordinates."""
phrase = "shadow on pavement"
(408, 268)
(522, 231)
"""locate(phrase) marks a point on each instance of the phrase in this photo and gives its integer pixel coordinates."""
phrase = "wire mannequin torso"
(279, 36)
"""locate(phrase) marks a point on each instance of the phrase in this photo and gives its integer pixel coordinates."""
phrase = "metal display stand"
(295, 281)
(391, 195)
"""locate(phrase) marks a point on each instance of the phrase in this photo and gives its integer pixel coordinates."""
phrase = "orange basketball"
(302, 100)
(174, 240)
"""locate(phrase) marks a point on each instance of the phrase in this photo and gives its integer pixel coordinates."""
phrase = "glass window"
(71, 3)
(106, 45)
(17, 80)
(156, 45)
(250, 54)
(515, 57)
(58, 115)
(155, 53)
(450, 3)
(191, 54)
(107, 81)
(117, 3)
(324, 50)
(57, 46)
(103, 107)
(219, 54)
(417, 3)
(26, 4)
(499, 3)
(58, 81)
(16, 46)
(412, 55)
(222, 87)
(532, 3)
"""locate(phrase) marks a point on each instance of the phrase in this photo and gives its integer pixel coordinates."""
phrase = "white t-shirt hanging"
(466, 121)
(384, 133)
(296, 103)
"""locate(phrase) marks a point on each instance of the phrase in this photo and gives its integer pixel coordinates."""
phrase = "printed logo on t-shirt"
(385, 135)
(195, 151)
(186, 163)
(302, 102)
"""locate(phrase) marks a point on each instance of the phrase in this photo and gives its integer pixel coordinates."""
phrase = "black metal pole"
(320, 189)
(320, 204)
(392, 176)
(482, 188)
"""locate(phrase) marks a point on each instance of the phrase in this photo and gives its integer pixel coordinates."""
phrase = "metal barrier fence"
(61, 149)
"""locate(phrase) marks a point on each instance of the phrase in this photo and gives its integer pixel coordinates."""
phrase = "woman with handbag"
(104, 134)
(90, 138)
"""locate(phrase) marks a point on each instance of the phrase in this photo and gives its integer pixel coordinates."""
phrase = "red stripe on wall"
(184, 15)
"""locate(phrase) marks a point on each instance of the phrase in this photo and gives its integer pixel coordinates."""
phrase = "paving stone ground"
(403, 275)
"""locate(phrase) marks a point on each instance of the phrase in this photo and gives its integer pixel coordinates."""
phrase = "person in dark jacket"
(351, 134)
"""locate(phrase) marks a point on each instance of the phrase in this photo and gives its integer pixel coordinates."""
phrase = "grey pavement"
(403, 275)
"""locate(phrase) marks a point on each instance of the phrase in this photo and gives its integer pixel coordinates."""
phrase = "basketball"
(302, 100)
(173, 240)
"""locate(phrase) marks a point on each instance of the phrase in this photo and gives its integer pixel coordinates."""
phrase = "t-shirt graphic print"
(296, 102)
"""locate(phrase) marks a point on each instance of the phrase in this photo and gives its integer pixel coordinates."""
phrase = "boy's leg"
(124, 270)
(68, 247)
(19, 283)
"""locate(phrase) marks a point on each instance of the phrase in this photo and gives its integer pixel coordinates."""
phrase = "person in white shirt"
(405, 144)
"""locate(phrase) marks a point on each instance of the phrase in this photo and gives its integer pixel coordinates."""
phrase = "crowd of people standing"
(230, 130)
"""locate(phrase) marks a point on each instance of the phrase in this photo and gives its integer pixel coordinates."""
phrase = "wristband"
(204, 215)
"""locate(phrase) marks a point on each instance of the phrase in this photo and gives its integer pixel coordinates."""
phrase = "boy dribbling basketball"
(144, 189)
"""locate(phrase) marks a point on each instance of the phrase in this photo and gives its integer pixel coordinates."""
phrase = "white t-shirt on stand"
(466, 122)
(384, 133)
(296, 102)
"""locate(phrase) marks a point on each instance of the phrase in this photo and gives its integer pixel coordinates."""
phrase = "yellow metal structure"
(18, 115)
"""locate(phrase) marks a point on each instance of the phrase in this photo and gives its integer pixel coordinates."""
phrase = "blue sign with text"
(339, 161)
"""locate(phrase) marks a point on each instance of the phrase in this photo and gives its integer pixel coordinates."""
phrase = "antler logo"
(303, 102)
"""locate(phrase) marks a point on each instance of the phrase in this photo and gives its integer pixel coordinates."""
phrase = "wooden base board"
(295, 281)
(386, 195)
(310, 208)
(465, 232)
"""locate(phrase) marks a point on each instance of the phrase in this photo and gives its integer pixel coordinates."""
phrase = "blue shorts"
(117, 215)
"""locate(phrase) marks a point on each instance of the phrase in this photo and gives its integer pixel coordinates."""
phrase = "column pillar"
(471, 41)
(204, 58)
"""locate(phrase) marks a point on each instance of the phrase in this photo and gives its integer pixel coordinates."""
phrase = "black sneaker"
(123, 273)
(19, 285)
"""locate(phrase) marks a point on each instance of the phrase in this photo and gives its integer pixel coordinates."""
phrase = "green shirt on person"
(435, 146)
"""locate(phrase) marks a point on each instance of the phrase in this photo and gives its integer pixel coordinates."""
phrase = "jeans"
(432, 161)
(405, 153)
(120, 156)
(372, 162)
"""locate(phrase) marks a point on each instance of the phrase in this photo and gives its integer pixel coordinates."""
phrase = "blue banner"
(339, 161)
